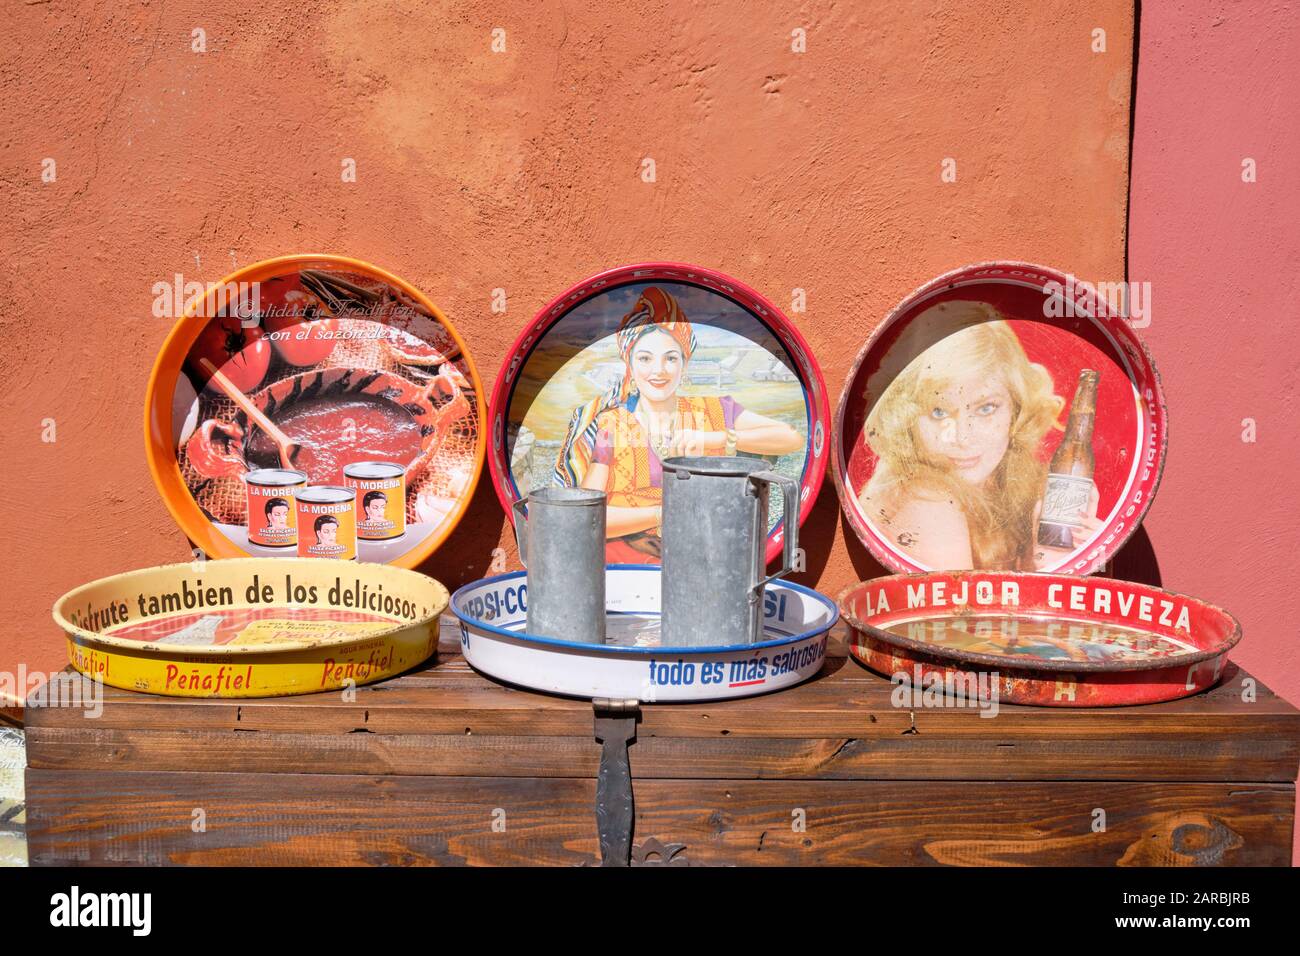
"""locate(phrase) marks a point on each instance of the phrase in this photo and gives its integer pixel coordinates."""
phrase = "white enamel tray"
(493, 612)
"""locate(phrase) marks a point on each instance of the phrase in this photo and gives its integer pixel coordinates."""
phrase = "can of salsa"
(381, 498)
(327, 523)
(272, 518)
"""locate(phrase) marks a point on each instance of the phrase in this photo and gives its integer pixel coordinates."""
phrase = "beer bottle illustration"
(1069, 474)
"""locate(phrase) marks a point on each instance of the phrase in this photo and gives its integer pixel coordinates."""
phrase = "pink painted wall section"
(1218, 84)
(517, 170)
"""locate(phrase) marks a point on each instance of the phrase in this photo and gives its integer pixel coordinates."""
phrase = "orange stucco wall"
(518, 170)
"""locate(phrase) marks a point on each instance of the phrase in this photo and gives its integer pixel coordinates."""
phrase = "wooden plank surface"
(903, 757)
(299, 819)
(413, 770)
(844, 699)
(843, 724)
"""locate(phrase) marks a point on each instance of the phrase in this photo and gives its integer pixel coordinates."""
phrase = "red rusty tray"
(955, 407)
(1054, 640)
(568, 392)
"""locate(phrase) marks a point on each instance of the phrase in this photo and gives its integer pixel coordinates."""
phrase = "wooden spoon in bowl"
(289, 449)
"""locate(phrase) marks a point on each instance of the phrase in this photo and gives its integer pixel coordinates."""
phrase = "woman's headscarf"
(655, 311)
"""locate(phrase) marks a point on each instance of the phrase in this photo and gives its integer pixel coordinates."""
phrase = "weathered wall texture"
(478, 170)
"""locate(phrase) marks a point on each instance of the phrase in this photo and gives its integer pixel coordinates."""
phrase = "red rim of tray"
(759, 308)
(1210, 633)
(1127, 350)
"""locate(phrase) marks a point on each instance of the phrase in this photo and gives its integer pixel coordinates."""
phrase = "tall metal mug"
(562, 546)
(714, 548)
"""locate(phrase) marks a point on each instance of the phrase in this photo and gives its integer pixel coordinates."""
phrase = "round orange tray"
(403, 345)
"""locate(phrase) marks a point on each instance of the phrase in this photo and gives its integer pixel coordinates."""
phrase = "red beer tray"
(957, 403)
(569, 406)
(971, 392)
(1049, 639)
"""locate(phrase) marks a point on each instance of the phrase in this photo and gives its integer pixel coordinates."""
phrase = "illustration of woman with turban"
(617, 442)
(959, 481)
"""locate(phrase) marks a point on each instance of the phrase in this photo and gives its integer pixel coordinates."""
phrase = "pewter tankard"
(715, 546)
(562, 545)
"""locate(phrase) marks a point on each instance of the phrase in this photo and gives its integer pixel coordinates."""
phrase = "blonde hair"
(999, 513)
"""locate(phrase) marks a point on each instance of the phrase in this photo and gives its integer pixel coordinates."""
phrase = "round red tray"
(565, 384)
(1019, 334)
(1054, 640)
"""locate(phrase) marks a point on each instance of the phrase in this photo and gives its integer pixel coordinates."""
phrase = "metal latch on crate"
(615, 730)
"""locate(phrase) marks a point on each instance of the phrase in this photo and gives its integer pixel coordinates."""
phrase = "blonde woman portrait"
(959, 480)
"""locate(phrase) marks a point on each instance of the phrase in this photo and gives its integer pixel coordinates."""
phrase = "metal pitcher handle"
(789, 516)
(521, 529)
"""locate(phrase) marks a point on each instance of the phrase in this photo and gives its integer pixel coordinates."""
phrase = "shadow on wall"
(817, 536)
(470, 549)
(1137, 561)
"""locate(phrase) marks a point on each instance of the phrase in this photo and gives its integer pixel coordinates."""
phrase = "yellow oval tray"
(251, 627)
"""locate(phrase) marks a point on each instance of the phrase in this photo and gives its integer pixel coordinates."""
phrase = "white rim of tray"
(658, 650)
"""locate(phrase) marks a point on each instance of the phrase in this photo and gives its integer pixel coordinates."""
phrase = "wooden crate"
(442, 766)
